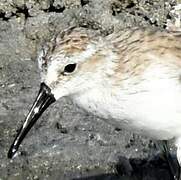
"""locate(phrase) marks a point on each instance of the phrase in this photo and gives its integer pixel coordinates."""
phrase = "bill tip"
(11, 153)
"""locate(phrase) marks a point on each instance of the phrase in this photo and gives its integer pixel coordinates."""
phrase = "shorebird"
(130, 78)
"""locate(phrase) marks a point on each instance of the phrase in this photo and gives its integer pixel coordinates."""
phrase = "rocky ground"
(68, 143)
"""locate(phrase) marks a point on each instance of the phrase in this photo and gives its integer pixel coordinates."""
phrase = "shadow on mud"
(136, 169)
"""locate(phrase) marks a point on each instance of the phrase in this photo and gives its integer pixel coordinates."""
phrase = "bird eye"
(69, 68)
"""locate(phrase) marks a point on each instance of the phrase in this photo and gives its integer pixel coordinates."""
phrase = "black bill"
(42, 102)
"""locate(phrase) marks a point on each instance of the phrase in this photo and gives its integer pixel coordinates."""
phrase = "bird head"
(71, 64)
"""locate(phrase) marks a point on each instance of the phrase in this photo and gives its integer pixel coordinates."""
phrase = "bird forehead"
(64, 56)
(75, 46)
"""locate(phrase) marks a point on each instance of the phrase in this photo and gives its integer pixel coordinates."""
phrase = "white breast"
(152, 107)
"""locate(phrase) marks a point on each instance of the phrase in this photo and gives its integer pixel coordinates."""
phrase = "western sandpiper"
(130, 78)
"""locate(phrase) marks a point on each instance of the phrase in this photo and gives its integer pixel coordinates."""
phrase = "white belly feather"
(151, 107)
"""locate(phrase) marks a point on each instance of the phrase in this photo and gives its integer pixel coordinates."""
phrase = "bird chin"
(59, 93)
